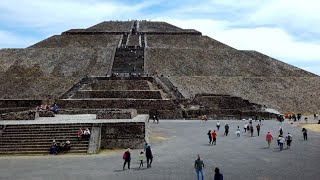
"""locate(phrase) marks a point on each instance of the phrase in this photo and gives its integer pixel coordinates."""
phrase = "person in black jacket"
(149, 156)
(217, 174)
(210, 136)
(127, 158)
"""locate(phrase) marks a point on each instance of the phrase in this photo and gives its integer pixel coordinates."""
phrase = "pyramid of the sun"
(194, 63)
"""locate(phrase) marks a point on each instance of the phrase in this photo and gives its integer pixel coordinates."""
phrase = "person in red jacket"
(214, 137)
(269, 138)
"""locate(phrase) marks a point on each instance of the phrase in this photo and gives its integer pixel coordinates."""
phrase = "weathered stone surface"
(23, 115)
(121, 85)
(46, 114)
(124, 135)
(117, 114)
(133, 94)
(117, 103)
(293, 94)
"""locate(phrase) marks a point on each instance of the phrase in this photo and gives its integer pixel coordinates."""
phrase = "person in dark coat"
(210, 136)
(149, 156)
(127, 158)
(226, 129)
(217, 174)
(305, 135)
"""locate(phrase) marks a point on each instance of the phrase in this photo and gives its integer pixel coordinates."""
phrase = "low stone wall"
(124, 135)
(13, 103)
(121, 85)
(229, 114)
(23, 115)
(117, 103)
(117, 114)
(134, 94)
(46, 114)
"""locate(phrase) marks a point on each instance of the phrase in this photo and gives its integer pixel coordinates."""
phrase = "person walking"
(199, 165)
(269, 138)
(305, 135)
(141, 156)
(226, 129)
(214, 137)
(218, 125)
(210, 136)
(149, 156)
(289, 140)
(258, 129)
(281, 131)
(238, 131)
(217, 174)
(127, 158)
(245, 127)
(281, 142)
(251, 130)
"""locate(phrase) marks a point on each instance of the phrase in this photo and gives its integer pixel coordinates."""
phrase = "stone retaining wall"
(23, 115)
(124, 135)
(117, 103)
(117, 114)
(135, 94)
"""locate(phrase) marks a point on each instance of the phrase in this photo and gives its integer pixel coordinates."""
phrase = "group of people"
(54, 107)
(58, 147)
(146, 153)
(84, 133)
(199, 165)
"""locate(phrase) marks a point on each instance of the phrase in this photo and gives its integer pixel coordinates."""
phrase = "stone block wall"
(117, 114)
(13, 103)
(121, 85)
(117, 103)
(124, 135)
(135, 94)
(23, 115)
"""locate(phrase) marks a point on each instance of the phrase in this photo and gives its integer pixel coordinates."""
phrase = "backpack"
(289, 138)
(124, 156)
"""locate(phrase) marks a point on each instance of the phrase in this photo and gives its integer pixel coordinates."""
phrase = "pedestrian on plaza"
(258, 129)
(141, 157)
(217, 174)
(127, 158)
(306, 120)
(218, 125)
(199, 165)
(281, 131)
(305, 135)
(149, 156)
(289, 140)
(210, 136)
(251, 130)
(245, 127)
(226, 129)
(214, 137)
(269, 138)
(238, 131)
(281, 142)
(248, 128)
(278, 139)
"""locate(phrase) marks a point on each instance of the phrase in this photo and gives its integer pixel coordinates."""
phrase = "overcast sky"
(288, 30)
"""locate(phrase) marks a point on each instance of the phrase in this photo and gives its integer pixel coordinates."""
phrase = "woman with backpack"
(127, 158)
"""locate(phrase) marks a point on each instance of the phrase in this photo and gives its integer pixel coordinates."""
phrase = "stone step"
(134, 94)
(30, 135)
(41, 152)
(36, 146)
(48, 142)
(21, 140)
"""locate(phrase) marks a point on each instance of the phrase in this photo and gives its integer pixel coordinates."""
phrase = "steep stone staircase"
(37, 138)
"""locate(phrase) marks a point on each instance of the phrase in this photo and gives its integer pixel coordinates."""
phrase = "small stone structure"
(22, 115)
(46, 114)
(117, 114)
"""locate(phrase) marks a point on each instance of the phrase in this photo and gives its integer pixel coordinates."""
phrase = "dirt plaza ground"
(175, 145)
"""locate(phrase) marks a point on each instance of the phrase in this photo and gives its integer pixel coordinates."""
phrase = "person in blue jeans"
(198, 165)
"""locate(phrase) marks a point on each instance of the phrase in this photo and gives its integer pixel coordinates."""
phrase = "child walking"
(141, 156)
